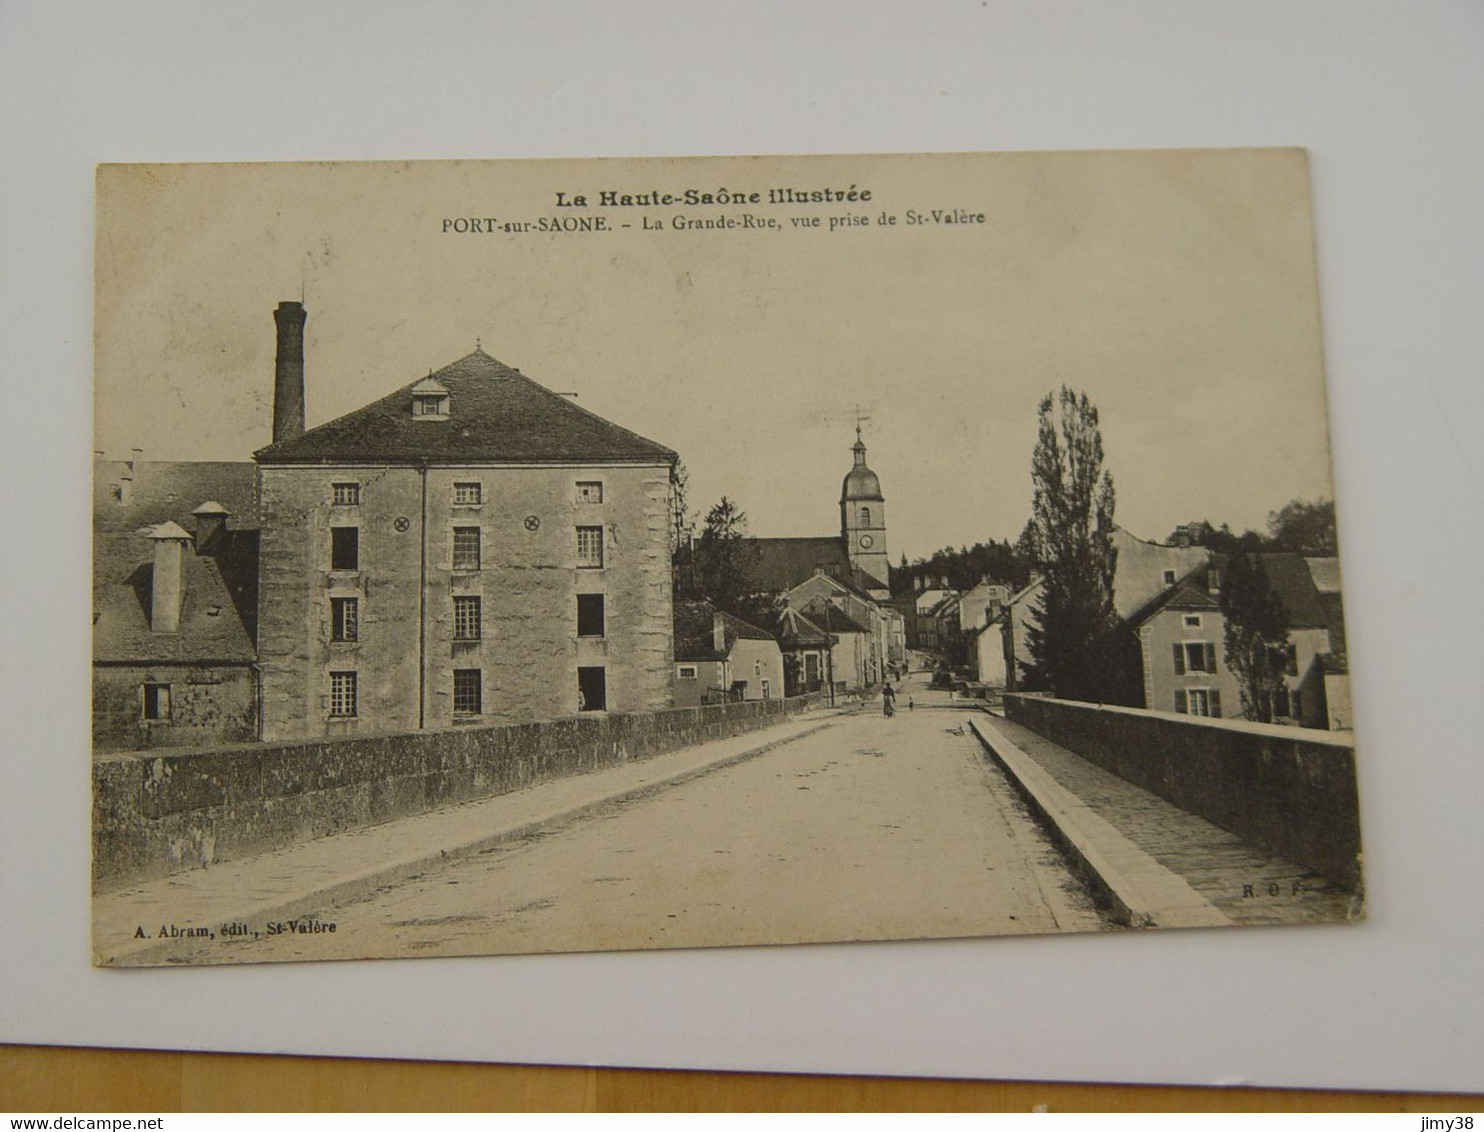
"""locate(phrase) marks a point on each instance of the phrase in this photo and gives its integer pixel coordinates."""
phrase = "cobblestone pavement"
(1246, 884)
(871, 828)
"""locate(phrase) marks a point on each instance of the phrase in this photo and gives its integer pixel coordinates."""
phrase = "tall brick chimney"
(167, 588)
(288, 372)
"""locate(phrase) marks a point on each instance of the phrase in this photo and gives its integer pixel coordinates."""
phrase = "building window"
(1192, 620)
(767, 689)
(466, 548)
(686, 671)
(590, 619)
(345, 548)
(342, 694)
(757, 667)
(1198, 701)
(1194, 656)
(347, 494)
(1169, 577)
(1290, 661)
(466, 618)
(590, 546)
(467, 691)
(468, 493)
(865, 516)
(430, 406)
(1297, 705)
(589, 491)
(157, 702)
(592, 689)
(345, 619)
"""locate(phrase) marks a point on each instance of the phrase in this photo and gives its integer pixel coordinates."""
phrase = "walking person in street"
(888, 701)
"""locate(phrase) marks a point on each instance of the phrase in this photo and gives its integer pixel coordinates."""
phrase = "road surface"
(871, 828)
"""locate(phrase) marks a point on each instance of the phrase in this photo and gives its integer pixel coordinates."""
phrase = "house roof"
(1291, 581)
(1188, 592)
(795, 631)
(1326, 574)
(160, 490)
(737, 629)
(695, 624)
(832, 620)
(782, 563)
(694, 639)
(211, 626)
(496, 415)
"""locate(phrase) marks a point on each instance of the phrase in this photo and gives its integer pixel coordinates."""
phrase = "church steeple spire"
(863, 515)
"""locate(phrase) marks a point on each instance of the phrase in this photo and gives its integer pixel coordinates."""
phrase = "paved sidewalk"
(1160, 865)
(302, 878)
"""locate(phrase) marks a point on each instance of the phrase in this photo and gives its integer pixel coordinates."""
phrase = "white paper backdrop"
(1389, 98)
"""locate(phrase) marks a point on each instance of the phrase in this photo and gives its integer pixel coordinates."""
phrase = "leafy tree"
(1256, 634)
(1305, 528)
(723, 557)
(1071, 543)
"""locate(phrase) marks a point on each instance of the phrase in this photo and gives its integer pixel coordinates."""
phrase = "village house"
(719, 657)
(1142, 570)
(1169, 654)
(849, 661)
(469, 548)
(1316, 680)
(173, 655)
(174, 604)
(806, 653)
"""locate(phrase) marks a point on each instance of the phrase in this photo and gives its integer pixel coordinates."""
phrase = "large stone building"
(469, 548)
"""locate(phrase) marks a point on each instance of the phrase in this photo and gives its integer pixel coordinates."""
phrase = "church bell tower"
(863, 516)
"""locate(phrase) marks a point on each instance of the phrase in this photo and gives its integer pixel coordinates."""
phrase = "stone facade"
(205, 704)
(520, 635)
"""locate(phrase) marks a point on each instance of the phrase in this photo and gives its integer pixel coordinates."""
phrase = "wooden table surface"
(57, 1079)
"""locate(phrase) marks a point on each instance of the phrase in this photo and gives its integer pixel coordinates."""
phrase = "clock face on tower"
(866, 541)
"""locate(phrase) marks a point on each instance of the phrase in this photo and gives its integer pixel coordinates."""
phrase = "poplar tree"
(1070, 541)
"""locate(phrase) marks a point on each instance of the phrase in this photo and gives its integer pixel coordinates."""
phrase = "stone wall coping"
(1344, 740)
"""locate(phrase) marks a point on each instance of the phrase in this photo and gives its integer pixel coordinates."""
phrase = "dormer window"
(430, 400)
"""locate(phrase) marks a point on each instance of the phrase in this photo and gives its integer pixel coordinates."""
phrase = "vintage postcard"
(544, 556)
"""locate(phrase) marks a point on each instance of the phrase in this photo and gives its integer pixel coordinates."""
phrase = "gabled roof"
(782, 563)
(1188, 593)
(737, 629)
(211, 625)
(795, 631)
(831, 619)
(496, 415)
(695, 631)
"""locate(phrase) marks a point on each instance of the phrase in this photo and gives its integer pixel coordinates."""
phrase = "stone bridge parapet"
(1289, 790)
(162, 812)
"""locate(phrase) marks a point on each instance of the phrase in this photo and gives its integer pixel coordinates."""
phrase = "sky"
(1176, 288)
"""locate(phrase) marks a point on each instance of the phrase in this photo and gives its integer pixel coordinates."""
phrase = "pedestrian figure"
(910, 705)
(888, 700)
